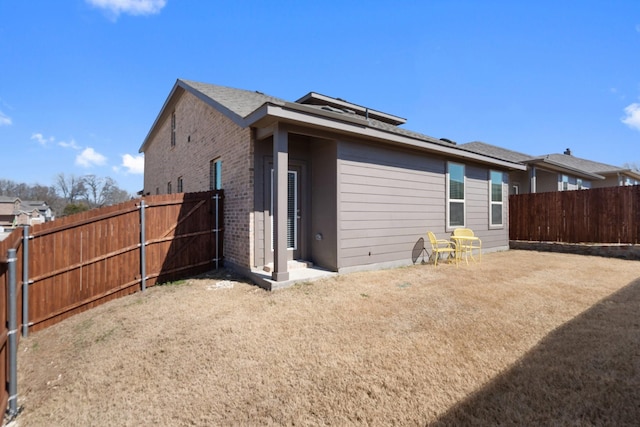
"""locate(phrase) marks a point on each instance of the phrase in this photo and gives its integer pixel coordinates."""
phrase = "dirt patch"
(523, 337)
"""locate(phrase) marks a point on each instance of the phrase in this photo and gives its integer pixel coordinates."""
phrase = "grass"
(523, 338)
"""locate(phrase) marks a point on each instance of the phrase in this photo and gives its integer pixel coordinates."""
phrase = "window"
(169, 187)
(292, 203)
(215, 174)
(495, 199)
(180, 190)
(565, 182)
(157, 190)
(455, 195)
(173, 129)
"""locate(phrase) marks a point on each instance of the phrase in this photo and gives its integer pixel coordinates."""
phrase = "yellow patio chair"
(468, 242)
(441, 246)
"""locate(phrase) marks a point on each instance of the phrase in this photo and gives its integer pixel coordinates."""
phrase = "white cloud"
(90, 157)
(70, 144)
(632, 118)
(132, 7)
(133, 164)
(41, 139)
(5, 120)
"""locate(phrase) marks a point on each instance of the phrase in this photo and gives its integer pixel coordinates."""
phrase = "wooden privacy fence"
(601, 215)
(78, 262)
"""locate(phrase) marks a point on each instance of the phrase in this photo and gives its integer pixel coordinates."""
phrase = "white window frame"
(449, 200)
(493, 203)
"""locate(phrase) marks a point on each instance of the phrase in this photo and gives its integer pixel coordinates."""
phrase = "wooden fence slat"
(83, 302)
(84, 260)
(84, 263)
(602, 215)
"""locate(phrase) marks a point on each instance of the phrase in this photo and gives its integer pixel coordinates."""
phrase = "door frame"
(303, 210)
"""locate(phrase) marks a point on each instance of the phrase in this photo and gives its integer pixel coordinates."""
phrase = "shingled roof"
(238, 101)
(582, 164)
(254, 108)
(242, 103)
(495, 151)
(571, 163)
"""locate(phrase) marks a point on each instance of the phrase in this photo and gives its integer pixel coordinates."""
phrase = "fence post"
(217, 229)
(143, 255)
(12, 375)
(25, 281)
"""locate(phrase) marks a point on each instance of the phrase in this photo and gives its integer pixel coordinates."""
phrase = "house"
(556, 172)
(320, 180)
(15, 212)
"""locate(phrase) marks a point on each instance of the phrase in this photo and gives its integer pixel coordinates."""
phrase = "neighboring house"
(320, 179)
(15, 212)
(556, 172)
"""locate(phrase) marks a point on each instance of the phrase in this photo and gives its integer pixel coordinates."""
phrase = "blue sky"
(83, 80)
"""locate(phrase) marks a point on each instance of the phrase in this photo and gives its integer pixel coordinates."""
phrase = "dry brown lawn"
(522, 338)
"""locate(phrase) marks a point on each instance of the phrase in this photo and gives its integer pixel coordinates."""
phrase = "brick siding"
(204, 134)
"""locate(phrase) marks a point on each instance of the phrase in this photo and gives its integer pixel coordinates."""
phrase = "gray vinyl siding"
(477, 201)
(387, 202)
(477, 197)
(324, 202)
(546, 181)
(609, 181)
(389, 199)
(521, 178)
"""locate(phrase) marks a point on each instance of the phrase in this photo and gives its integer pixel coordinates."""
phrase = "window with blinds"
(292, 211)
(455, 195)
(495, 199)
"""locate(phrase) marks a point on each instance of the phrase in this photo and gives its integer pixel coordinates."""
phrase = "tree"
(102, 191)
(7, 187)
(632, 166)
(73, 208)
(71, 188)
(69, 194)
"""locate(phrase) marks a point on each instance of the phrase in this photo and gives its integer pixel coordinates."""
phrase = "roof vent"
(448, 141)
(567, 151)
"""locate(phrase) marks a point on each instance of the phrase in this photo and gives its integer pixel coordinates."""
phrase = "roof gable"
(240, 102)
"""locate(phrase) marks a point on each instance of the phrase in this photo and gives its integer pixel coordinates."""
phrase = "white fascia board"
(360, 128)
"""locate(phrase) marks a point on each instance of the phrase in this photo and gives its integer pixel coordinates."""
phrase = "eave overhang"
(627, 172)
(296, 114)
(557, 167)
